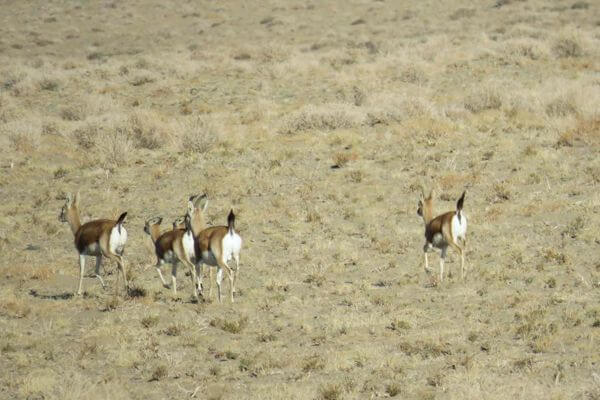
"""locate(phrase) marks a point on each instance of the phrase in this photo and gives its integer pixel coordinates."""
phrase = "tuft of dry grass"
(568, 44)
(230, 325)
(482, 100)
(325, 117)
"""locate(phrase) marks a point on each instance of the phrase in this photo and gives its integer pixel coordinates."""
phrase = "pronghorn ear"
(431, 193)
(76, 200)
(190, 206)
(69, 200)
(205, 205)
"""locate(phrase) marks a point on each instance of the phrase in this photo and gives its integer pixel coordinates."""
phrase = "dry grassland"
(318, 122)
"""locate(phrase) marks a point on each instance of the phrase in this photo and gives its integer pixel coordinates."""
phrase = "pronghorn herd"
(190, 242)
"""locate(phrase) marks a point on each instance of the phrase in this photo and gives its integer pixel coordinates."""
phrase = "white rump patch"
(232, 244)
(459, 227)
(188, 245)
(117, 240)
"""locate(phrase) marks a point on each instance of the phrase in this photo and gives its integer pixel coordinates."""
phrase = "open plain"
(319, 123)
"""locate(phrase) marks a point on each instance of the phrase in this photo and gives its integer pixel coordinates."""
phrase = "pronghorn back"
(88, 235)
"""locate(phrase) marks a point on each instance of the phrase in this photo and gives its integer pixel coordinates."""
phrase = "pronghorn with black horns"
(448, 229)
(216, 246)
(99, 238)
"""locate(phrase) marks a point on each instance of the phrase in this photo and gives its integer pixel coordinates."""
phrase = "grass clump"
(330, 391)
(568, 45)
(486, 99)
(149, 321)
(325, 117)
(313, 363)
(160, 372)
(231, 326)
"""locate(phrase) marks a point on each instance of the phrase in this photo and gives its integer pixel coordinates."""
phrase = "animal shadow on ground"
(59, 296)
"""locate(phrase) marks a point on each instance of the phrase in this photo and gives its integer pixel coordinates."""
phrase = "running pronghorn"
(168, 246)
(216, 246)
(100, 238)
(448, 229)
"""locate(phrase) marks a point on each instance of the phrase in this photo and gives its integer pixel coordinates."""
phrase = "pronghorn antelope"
(216, 246)
(168, 246)
(100, 238)
(447, 229)
(172, 246)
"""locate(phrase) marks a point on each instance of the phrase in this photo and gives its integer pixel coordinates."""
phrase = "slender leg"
(174, 276)
(210, 279)
(160, 275)
(192, 269)
(462, 264)
(223, 265)
(81, 271)
(442, 259)
(236, 257)
(121, 265)
(219, 279)
(461, 252)
(199, 277)
(123, 271)
(425, 250)
(98, 264)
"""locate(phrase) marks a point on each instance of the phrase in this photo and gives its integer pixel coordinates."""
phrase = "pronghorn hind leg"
(98, 265)
(461, 252)
(104, 247)
(160, 275)
(192, 269)
(236, 257)
(199, 278)
(223, 265)
(219, 279)
(210, 279)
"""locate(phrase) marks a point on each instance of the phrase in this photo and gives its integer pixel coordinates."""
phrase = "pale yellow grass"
(139, 105)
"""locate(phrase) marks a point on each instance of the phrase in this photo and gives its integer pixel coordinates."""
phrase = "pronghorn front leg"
(425, 250)
(81, 271)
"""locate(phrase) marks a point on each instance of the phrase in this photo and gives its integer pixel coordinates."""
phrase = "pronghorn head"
(198, 202)
(156, 221)
(425, 206)
(179, 222)
(195, 211)
(70, 208)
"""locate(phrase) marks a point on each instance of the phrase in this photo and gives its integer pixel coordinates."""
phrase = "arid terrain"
(319, 123)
